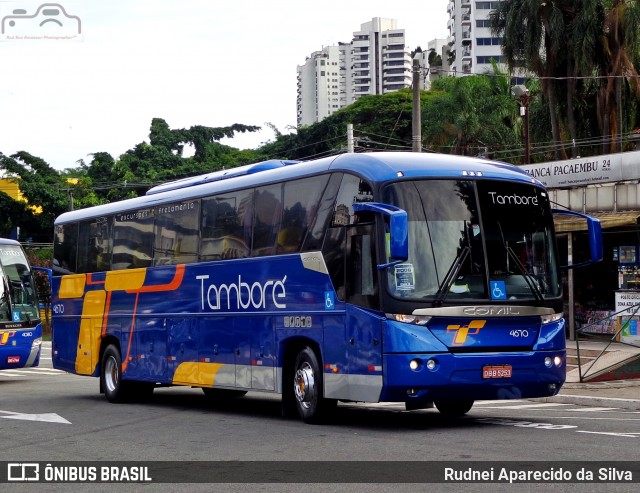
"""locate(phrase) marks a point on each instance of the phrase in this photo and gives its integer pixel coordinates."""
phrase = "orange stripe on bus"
(171, 286)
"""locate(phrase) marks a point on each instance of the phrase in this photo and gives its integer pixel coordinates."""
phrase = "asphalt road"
(49, 416)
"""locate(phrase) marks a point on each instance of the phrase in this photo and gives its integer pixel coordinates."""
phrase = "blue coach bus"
(404, 277)
(20, 326)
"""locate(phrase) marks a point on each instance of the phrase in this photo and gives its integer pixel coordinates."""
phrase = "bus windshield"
(18, 301)
(475, 240)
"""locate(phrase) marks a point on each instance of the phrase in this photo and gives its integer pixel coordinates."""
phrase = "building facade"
(470, 36)
(376, 61)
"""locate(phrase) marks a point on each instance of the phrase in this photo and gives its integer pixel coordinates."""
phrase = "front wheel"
(454, 409)
(308, 388)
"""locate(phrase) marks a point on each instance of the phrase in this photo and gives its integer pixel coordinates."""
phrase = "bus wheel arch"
(307, 386)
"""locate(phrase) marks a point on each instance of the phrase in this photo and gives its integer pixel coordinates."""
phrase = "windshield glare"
(18, 301)
(474, 240)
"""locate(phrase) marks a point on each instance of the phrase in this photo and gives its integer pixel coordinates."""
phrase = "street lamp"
(521, 93)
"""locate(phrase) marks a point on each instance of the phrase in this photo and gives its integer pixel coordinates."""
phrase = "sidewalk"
(621, 394)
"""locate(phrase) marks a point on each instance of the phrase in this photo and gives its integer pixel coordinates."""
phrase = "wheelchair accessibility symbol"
(498, 290)
(16, 316)
(329, 301)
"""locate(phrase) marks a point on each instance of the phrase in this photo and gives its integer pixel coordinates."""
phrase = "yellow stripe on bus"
(72, 286)
(89, 336)
(125, 280)
(195, 373)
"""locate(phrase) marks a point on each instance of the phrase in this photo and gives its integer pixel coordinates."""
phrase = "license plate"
(502, 371)
(13, 360)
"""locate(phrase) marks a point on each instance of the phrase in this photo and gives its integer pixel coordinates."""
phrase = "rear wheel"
(454, 409)
(115, 389)
(308, 388)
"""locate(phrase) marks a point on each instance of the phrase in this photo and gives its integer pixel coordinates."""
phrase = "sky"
(93, 79)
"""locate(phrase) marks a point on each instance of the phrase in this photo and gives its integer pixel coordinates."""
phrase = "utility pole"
(416, 120)
(523, 98)
(349, 137)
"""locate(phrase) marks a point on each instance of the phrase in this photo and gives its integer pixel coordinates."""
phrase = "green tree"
(42, 186)
(535, 36)
(470, 116)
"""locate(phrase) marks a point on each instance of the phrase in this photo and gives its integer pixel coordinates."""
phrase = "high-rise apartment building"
(376, 61)
(470, 36)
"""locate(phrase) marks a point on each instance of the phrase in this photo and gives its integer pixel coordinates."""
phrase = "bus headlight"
(547, 319)
(409, 319)
(555, 361)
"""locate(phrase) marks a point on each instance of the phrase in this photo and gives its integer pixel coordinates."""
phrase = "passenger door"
(364, 323)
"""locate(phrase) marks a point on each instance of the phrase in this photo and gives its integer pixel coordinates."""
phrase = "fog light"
(557, 361)
(414, 364)
(412, 391)
(431, 364)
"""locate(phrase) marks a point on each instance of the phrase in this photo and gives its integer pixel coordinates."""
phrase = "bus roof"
(377, 167)
(7, 241)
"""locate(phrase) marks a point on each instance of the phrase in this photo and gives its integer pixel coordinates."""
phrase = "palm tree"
(535, 37)
(620, 48)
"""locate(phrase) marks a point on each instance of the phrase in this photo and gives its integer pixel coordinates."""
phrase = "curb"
(588, 400)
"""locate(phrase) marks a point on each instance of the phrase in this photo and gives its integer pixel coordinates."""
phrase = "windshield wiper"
(452, 273)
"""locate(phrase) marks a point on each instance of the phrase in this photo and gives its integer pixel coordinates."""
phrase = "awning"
(566, 224)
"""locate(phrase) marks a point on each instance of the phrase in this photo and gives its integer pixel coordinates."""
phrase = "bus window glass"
(133, 239)
(95, 245)
(65, 246)
(19, 291)
(320, 221)
(176, 233)
(352, 190)
(267, 219)
(443, 221)
(492, 246)
(226, 226)
(520, 253)
(301, 200)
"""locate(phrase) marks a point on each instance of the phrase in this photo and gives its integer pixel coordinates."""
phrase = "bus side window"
(301, 200)
(319, 220)
(65, 249)
(267, 219)
(333, 252)
(224, 229)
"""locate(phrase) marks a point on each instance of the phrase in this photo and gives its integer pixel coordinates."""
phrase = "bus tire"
(115, 389)
(308, 388)
(223, 393)
(454, 409)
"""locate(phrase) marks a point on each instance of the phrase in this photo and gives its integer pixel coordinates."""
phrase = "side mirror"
(594, 232)
(398, 230)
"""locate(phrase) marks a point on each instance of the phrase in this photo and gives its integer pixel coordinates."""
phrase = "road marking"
(5, 373)
(527, 406)
(625, 435)
(45, 417)
(46, 370)
(593, 409)
(31, 371)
